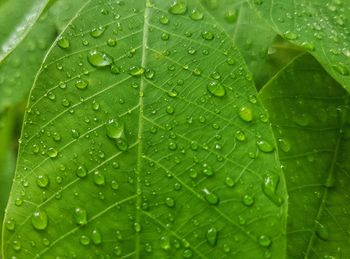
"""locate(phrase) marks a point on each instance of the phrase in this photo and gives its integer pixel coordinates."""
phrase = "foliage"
(175, 129)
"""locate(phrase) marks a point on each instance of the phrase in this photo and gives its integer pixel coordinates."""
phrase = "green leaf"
(17, 17)
(144, 138)
(263, 50)
(319, 26)
(309, 112)
(16, 72)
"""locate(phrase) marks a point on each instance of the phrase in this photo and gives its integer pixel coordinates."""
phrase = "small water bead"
(290, 35)
(215, 75)
(111, 42)
(248, 200)
(117, 250)
(114, 185)
(149, 73)
(39, 220)
(96, 237)
(187, 253)
(42, 181)
(172, 146)
(196, 15)
(264, 146)
(136, 70)
(321, 231)
(115, 69)
(52, 152)
(63, 43)
(81, 84)
(308, 46)
(264, 241)
(35, 148)
(240, 136)
(283, 144)
(164, 19)
(116, 132)
(99, 59)
(170, 202)
(137, 227)
(269, 187)
(97, 32)
(80, 216)
(178, 7)
(165, 243)
(210, 197)
(81, 171)
(216, 89)
(10, 224)
(16, 245)
(99, 178)
(229, 182)
(165, 36)
(231, 16)
(207, 35)
(170, 109)
(246, 114)
(207, 170)
(212, 236)
(65, 102)
(56, 136)
(84, 240)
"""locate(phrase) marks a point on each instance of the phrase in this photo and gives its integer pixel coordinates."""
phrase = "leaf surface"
(309, 112)
(17, 18)
(320, 26)
(143, 138)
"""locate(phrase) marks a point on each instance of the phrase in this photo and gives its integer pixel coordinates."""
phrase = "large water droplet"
(136, 70)
(216, 89)
(211, 197)
(63, 43)
(269, 188)
(212, 236)
(80, 216)
(39, 220)
(178, 7)
(52, 152)
(246, 114)
(99, 59)
(42, 181)
(116, 131)
(196, 15)
(264, 146)
(99, 178)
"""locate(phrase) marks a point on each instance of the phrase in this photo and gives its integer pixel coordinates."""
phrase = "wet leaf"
(314, 150)
(134, 152)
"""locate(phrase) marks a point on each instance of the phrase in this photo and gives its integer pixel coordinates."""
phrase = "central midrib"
(140, 123)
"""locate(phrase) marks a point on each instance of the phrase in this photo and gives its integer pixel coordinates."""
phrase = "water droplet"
(269, 188)
(231, 16)
(248, 200)
(264, 241)
(170, 109)
(212, 236)
(96, 237)
(16, 245)
(10, 224)
(264, 146)
(164, 19)
(216, 89)
(84, 240)
(80, 216)
(99, 59)
(52, 152)
(290, 35)
(99, 178)
(39, 220)
(63, 43)
(321, 231)
(116, 131)
(240, 136)
(207, 170)
(136, 70)
(111, 42)
(284, 145)
(207, 35)
(178, 7)
(165, 243)
(246, 114)
(196, 15)
(187, 253)
(137, 227)
(229, 182)
(97, 32)
(211, 197)
(81, 171)
(170, 202)
(81, 84)
(42, 181)
(172, 146)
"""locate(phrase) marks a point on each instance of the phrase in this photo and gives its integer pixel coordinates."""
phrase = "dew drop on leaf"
(99, 178)
(165, 243)
(81, 171)
(341, 69)
(136, 70)
(97, 32)
(196, 15)
(81, 84)
(84, 240)
(52, 152)
(42, 181)
(248, 200)
(207, 35)
(212, 235)
(264, 146)
(99, 59)
(264, 241)
(283, 144)
(39, 220)
(96, 237)
(178, 7)
(240, 136)
(269, 187)
(211, 197)
(246, 114)
(80, 216)
(216, 89)
(63, 43)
